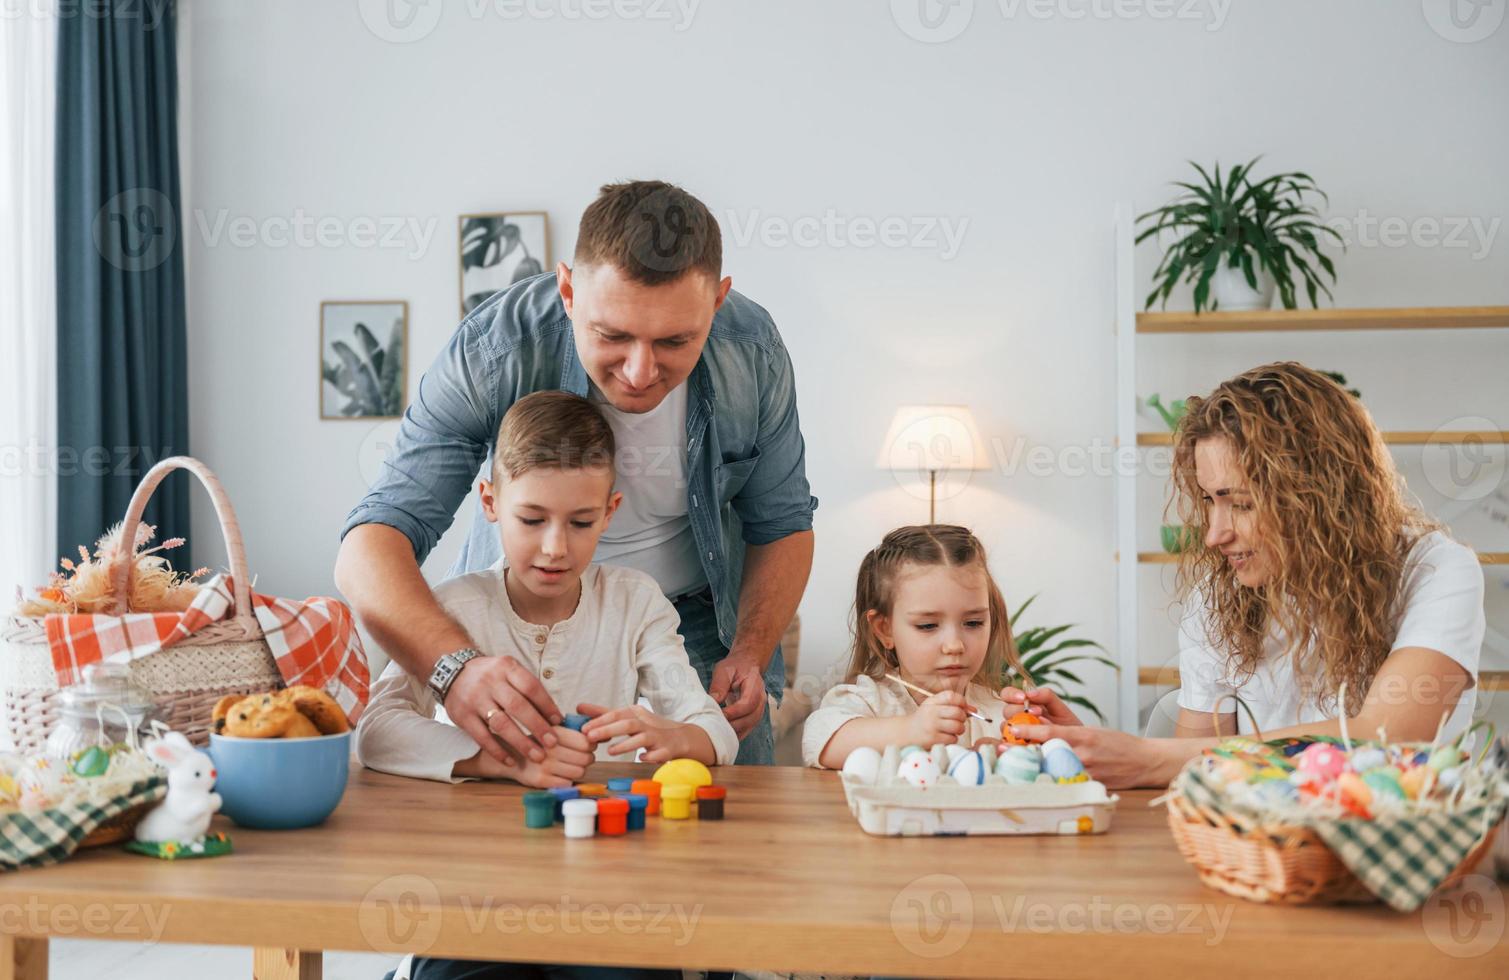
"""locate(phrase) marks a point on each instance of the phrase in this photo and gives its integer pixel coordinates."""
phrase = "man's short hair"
(651, 231)
(554, 429)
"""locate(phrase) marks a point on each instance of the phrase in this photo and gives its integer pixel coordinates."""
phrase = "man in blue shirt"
(698, 387)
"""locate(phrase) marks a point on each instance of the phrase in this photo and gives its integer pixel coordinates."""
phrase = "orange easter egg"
(1020, 718)
(1355, 794)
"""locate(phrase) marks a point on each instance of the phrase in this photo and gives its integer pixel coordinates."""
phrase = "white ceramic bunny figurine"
(185, 814)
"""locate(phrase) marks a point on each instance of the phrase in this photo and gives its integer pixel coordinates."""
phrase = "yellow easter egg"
(1415, 781)
(683, 772)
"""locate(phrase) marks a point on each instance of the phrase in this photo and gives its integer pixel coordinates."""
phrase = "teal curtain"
(122, 358)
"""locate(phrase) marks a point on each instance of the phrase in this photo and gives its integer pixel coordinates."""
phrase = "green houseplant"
(1237, 238)
(1046, 653)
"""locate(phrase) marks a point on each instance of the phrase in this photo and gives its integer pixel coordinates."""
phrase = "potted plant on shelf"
(1238, 239)
(1045, 652)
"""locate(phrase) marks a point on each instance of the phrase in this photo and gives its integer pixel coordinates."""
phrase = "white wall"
(1029, 128)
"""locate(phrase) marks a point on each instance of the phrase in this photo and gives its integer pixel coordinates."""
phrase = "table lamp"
(932, 439)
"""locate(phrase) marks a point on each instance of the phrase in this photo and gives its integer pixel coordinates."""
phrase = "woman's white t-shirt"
(1442, 610)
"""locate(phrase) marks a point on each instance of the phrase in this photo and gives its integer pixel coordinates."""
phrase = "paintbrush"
(924, 691)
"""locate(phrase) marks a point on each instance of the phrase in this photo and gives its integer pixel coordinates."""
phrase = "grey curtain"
(122, 362)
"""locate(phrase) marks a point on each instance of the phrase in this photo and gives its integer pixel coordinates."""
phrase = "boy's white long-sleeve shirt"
(620, 643)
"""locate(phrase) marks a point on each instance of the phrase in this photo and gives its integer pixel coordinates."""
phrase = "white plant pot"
(1229, 290)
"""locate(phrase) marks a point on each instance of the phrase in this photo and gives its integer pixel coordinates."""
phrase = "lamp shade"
(925, 438)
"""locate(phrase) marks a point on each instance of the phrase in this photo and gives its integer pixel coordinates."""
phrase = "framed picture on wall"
(363, 358)
(497, 250)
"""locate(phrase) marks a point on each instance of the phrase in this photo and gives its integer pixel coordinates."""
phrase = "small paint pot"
(580, 816)
(612, 816)
(649, 788)
(638, 805)
(676, 802)
(710, 802)
(539, 810)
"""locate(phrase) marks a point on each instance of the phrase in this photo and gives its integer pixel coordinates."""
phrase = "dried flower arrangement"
(88, 585)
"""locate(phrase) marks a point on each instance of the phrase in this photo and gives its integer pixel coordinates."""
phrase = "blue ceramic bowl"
(280, 783)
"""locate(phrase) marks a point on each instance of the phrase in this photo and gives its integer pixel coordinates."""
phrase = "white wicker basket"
(185, 681)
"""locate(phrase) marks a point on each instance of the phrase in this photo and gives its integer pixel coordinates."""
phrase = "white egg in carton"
(955, 791)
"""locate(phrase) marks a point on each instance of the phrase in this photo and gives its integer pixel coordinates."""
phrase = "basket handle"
(1215, 714)
(244, 617)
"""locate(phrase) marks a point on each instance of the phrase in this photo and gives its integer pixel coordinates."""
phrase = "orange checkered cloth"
(315, 641)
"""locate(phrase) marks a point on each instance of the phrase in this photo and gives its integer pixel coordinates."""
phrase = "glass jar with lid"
(105, 708)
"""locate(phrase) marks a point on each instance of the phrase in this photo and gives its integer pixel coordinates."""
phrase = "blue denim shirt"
(746, 461)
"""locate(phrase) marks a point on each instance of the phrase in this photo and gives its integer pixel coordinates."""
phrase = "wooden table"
(787, 882)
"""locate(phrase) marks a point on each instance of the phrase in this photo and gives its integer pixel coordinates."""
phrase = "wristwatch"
(446, 670)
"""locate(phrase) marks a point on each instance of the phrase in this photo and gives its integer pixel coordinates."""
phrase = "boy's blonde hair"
(551, 429)
(946, 545)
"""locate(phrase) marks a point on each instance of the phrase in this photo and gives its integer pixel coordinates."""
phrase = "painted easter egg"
(91, 762)
(953, 752)
(863, 764)
(1055, 743)
(1322, 761)
(907, 750)
(1368, 757)
(1416, 782)
(968, 769)
(1275, 792)
(1451, 778)
(919, 770)
(1020, 764)
(1020, 718)
(1384, 781)
(1061, 763)
(1445, 758)
(1354, 794)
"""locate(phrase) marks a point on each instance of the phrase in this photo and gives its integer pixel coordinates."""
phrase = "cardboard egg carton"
(892, 807)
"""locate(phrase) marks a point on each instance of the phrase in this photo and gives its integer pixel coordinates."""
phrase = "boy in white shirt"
(596, 636)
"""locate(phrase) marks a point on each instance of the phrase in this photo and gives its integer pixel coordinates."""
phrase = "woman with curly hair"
(1318, 575)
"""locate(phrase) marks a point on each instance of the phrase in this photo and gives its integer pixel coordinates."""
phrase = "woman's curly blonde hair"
(1335, 521)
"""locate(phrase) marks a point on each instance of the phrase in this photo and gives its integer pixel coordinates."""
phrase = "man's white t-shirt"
(652, 529)
(1442, 610)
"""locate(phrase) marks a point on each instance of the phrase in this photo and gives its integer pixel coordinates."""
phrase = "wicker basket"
(185, 680)
(1281, 864)
(118, 828)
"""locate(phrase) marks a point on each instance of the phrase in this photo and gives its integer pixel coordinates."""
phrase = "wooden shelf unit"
(1130, 324)
(1399, 318)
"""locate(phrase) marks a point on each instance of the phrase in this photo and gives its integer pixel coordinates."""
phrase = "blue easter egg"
(968, 769)
(1367, 758)
(1275, 791)
(1062, 763)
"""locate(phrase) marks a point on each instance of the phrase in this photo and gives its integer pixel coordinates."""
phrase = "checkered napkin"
(315, 641)
(1402, 860)
(29, 840)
